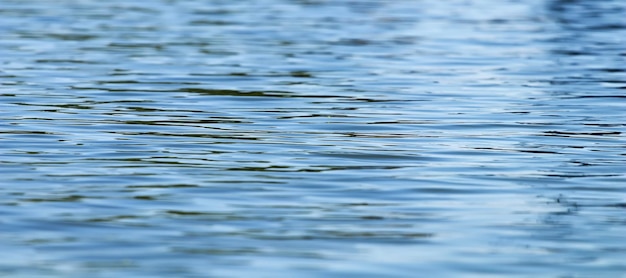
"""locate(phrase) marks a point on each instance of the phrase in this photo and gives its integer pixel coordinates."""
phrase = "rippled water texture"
(297, 138)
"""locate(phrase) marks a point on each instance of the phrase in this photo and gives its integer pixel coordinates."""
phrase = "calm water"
(307, 138)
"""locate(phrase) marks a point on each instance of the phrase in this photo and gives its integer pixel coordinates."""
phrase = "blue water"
(313, 138)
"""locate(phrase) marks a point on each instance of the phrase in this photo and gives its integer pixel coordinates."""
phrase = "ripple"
(312, 138)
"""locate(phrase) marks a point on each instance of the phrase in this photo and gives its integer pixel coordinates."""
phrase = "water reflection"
(294, 138)
(581, 189)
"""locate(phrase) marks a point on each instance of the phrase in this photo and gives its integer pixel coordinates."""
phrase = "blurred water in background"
(297, 138)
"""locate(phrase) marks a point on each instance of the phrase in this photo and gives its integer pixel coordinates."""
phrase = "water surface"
(312, 138)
